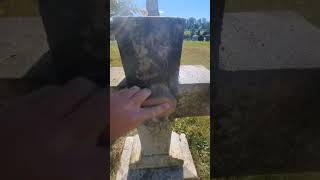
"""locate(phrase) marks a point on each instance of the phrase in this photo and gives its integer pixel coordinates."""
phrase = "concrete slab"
(22, 43)
(188, 74)
(179, 148)
(116, 76)
(266, 105)
(273, 40)
(194, 74)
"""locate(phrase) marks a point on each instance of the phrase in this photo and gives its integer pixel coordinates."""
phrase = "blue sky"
(181, 8)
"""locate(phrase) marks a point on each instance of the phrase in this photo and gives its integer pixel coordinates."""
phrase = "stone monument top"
(152, 8)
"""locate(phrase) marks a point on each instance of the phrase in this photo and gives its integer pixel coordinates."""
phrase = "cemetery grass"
(193, 52)
(196, 129)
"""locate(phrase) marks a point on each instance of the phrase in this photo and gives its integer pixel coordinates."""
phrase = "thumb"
(148, 113)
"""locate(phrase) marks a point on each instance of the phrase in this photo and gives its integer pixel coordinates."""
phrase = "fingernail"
(166, 105)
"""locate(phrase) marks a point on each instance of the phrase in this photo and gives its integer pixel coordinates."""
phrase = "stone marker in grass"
(150, 49)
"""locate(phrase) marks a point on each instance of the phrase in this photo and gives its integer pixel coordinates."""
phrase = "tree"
(205, 33)
(203, 20)
(191, 22)
(199, 32)
(199, 23)
(200, 38)
(207, 26)
(123, 8)
(199, 27)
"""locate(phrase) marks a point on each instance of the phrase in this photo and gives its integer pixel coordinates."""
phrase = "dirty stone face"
(150, 48)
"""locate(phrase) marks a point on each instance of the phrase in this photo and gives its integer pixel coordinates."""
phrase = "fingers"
(132, 91)
(55, 101)
(87, 122)
(129, 92)
(122, 92)
(73, 93)
(148, 113)
(159, 100)
(141, 96)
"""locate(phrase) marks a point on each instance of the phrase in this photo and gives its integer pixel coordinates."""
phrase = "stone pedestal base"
(180, 156)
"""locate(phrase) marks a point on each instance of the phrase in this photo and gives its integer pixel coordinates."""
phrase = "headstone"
(150, 49)
(195, 38)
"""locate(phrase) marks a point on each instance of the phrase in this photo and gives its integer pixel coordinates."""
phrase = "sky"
(181, 8)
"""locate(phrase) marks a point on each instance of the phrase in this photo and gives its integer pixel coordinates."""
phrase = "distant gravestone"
(195, 38)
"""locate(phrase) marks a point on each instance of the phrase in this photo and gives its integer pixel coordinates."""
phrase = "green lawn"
(197, 129)
(193, 52)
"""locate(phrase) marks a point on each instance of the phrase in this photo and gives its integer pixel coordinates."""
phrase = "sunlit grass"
(193, 52)
(197, 131)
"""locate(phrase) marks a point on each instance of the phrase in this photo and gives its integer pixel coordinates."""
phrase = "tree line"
(196, 29)
(199, 27)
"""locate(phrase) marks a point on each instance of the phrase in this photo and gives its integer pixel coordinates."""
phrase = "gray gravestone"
(146, 45)
(150, 49)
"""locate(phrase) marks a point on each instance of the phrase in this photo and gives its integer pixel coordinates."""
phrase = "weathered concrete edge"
(188, 160)
(189, 171)
(122, 172)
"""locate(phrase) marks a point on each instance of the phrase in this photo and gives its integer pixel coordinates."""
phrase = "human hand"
(130, 107)
(52, 133)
